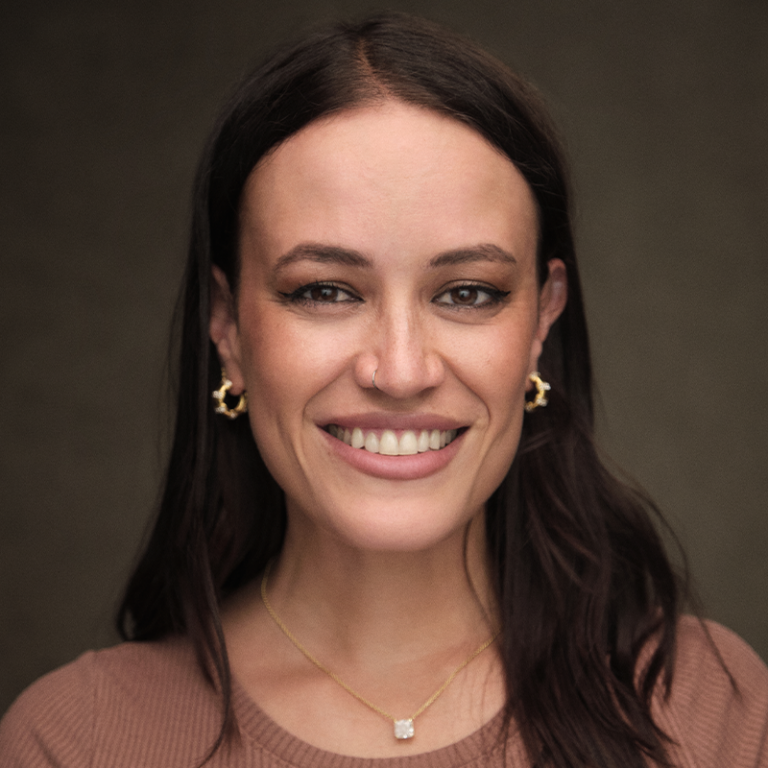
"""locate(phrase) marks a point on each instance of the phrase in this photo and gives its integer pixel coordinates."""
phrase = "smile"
(387, 443)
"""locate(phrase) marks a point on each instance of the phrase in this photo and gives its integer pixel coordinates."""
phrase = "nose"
(402, 352)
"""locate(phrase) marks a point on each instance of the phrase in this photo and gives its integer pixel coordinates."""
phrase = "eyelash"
(301, 295)
(495, 296)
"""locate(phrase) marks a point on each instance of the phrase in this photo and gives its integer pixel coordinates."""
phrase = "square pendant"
(404, 729)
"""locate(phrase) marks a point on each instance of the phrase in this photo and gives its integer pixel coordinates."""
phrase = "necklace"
(403, 728)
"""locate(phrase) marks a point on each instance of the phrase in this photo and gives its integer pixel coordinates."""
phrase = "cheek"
(276, 377)
(276, 365)
(286, 364)
(496, 370)
(496, 366)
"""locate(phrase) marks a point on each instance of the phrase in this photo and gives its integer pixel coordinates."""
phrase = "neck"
(382, 605)
(398, 628)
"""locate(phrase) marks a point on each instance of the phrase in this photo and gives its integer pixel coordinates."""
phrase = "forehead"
(386, 173)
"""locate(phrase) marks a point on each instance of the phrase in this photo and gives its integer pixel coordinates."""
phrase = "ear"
(552, 299)
(224, 331)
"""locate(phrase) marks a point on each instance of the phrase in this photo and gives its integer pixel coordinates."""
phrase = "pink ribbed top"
(146, 705)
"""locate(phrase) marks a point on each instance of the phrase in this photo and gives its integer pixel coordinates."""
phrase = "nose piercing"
(373, 379)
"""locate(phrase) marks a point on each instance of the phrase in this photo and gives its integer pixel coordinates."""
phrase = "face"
(393, 242)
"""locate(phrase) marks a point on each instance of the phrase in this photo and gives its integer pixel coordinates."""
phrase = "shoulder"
(110, 703)
(717, 709)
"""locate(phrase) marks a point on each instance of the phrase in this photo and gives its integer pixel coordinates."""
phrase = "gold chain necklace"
(403, 728)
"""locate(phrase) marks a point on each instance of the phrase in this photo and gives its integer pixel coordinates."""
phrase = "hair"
(588, 599)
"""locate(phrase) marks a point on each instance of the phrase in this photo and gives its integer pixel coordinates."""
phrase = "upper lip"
(395, 421)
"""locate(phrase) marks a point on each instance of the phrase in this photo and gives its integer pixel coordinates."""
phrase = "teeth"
(409, 443)
(388, 445)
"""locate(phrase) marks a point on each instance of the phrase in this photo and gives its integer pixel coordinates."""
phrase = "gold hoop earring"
(218, 396)
(542, 387)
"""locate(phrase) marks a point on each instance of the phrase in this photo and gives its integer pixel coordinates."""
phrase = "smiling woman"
(382, 275)
(380, 241)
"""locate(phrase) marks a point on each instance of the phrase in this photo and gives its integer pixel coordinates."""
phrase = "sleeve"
(717, 711)
(51, 724)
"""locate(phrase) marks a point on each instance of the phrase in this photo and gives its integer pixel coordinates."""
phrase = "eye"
(471, 296)
(321, 293)
(324, 293)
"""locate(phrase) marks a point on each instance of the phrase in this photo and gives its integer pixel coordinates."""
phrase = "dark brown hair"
(580, 573)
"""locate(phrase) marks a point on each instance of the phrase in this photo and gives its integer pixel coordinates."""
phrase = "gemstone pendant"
(404, 729)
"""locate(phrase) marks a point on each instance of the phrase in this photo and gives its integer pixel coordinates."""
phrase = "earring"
(218, 396)
(542, 387)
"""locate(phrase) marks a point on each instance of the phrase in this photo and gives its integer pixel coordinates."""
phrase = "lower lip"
(411, 467)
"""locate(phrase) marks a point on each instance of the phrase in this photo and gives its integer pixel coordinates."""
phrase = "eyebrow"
(323, 254)
(333, 254)
(482, 252)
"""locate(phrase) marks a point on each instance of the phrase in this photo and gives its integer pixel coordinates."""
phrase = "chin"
(399, 525)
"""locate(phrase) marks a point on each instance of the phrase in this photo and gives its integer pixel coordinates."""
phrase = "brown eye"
(324, 293)
(464, 296)
(317, 294)
(471, 296)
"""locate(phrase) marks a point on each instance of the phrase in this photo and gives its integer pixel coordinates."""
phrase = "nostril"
(405, 375)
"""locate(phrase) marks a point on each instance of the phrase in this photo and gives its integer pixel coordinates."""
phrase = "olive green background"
(104, 109)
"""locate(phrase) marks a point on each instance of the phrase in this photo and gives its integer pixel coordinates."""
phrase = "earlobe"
(223, 329)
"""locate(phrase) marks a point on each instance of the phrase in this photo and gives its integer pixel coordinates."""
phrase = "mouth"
(390, 442)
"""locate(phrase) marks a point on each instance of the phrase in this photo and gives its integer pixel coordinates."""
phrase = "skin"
(395, 240)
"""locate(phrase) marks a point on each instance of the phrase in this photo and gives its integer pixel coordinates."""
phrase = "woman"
(411, 522)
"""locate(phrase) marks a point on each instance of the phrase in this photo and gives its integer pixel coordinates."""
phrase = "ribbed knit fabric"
(146, 705)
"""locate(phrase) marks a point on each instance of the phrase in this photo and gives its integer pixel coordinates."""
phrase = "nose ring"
(373, 379)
